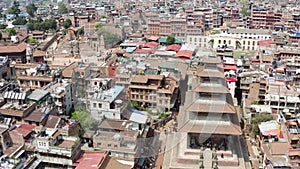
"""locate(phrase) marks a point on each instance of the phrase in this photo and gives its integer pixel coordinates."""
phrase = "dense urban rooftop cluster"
(209, 84)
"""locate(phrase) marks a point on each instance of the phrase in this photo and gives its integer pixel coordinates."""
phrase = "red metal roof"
(229, 67)
(173, 47)
(25, 129)
(265, 42)
(189, 11)
(185, 54)
(90, 160)
(150, 45)
(255, 60)
(27, 126)
(229, 79)
(141, 43)
(152, 37)
(143, 51)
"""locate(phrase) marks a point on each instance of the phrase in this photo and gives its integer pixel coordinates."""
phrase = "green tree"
(31, 9)
(85, 119)
(1, 13)
(170, 39)
(14, 9)
(110, 38)
(134, 104)
(0, 36)
(80, 32)
(64, 32)
(62, 9)
(245, 8)
(257, 119)
(31, 40)
(3, 26)
(98, 26)
(67, 23)
(48, 24)
(19, 21)
(11, 31)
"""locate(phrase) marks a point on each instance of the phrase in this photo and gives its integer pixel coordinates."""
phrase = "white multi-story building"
(61, 94)
(279, 97)
(103, 98)
(245, 39)
(53, 148)
(197, 40)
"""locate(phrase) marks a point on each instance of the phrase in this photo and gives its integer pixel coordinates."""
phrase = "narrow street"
(163, 139)
(254, 160)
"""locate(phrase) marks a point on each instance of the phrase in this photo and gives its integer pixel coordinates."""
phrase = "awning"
(288, 114)
(230, 79)
(265, 133)
(293, 123)
(273, 133)
(229, 67)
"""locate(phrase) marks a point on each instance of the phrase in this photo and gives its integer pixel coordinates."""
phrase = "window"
(125, 155)
(95, 83)
(99, 105)
(115, 146)
(108, 145)
(99, 145)
(94, 105)
(195, 39)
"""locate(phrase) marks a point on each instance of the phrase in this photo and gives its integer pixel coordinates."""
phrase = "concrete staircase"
(207, 159)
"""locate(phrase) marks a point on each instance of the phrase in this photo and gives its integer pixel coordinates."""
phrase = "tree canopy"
(80, 32)
(14, 9)
(31, 9)
(62, 9)
(31, 40)
(170, 39)
(3, 26)
(41, 25)
(67, 23)
(110, 38)
(20, 21)
(1, 13)
(85, 119)
(11, 31)
(98, 26)
(257, 119)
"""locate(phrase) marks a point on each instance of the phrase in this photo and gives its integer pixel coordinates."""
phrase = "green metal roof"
(179, 40)
(162, 40)
(164, 66)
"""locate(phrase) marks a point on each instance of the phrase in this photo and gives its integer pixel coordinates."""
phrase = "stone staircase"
(207, 159)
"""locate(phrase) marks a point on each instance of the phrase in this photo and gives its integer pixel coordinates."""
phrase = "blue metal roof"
(23, 15)
(130, 49)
